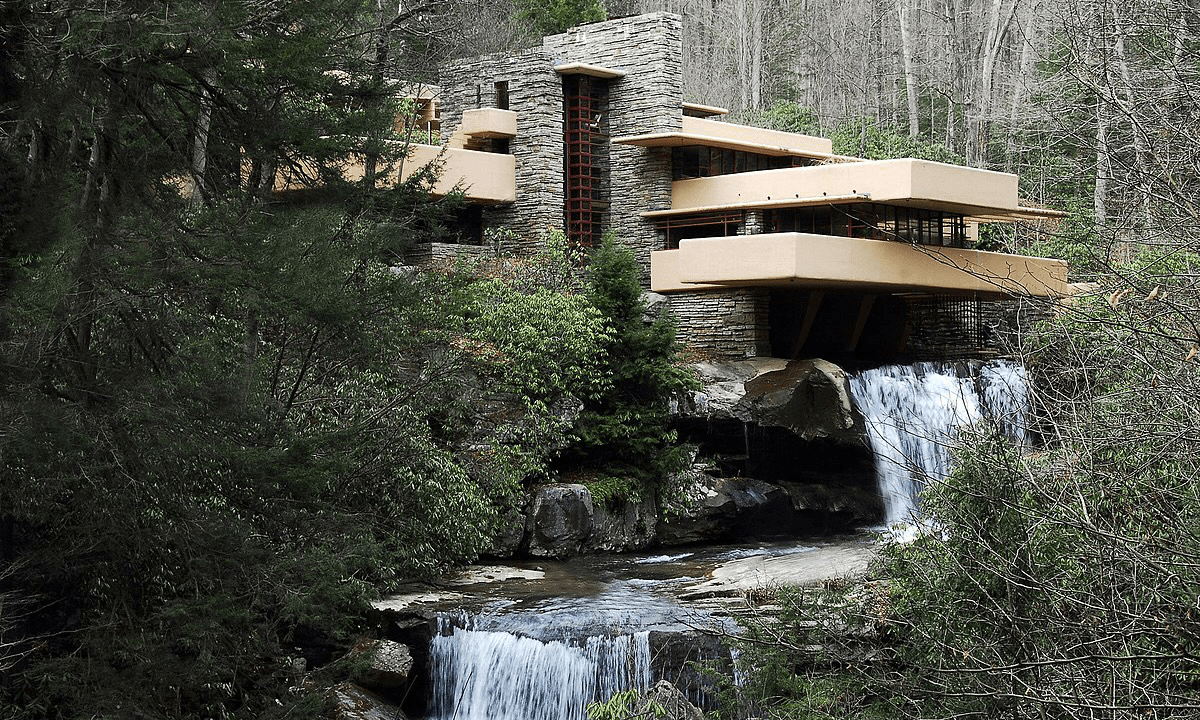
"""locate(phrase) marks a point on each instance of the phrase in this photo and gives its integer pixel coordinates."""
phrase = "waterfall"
(912, 414)
(549, 659)
(496, 675)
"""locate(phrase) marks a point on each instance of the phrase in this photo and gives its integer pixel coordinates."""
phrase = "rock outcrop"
(629, 525)
(717, 508)
(811, 398)
(388, 664)
(559, 520)
(352, 702)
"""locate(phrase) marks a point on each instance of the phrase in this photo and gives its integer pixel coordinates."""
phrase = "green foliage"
(227, 421)
(549, 17)
(542, 343)
(625, 430)
(624, 706)
(868, 139)
(784, 115)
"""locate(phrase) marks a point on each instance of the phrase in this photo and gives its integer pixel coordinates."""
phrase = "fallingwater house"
(764, 243)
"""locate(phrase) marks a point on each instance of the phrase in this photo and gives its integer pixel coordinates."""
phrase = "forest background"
(226, 423)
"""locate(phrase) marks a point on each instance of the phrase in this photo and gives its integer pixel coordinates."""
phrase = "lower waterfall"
(496, 675)
(912, 415)
(547, 661)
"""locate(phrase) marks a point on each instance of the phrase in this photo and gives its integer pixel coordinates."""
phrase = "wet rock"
(352, 702)
(719, 508)
(559, 520)
(388, 664)
(809, 397)
(668, 700)
(846, 505)
(724, 385)
(628, 525)
(764, 572)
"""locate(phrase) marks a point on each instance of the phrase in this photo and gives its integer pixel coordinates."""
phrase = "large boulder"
(559, 520)
(723, 385)
(811, 398)
(352, 702)
(387, 664)
(841, 506)
(627, 525)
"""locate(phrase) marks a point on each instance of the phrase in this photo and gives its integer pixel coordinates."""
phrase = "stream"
(540, 639)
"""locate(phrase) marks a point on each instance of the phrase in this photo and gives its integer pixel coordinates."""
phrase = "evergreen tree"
(548, 17)
(214, 437)
(624, 433)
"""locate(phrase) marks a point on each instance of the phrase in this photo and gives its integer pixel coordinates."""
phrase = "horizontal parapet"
(484, 177)
(731, 136)
(804, 260)
(981, 195)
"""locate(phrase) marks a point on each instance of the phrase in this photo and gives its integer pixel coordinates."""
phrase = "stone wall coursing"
(752, 224)
(535, 94)
(649, 49)
(723, 324)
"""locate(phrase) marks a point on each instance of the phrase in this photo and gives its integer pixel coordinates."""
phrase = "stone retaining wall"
(723, 324)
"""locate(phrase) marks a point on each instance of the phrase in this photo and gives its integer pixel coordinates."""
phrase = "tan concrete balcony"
(489, 123)
(802, 260)
(484, 178)
(731, 136)
(981, 195)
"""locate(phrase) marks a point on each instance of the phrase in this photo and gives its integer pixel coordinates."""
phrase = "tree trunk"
(910, 71)
(200, 140)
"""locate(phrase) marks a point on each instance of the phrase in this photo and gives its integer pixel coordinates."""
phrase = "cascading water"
(549, 661)
(913, 412)
(495, 675)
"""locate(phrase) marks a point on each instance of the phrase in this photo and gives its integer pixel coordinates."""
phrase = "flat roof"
(682, 139)
(699, 110)
(597, 71)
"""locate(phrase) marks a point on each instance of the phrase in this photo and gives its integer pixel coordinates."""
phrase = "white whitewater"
(496, 675)
(547, 661)
(913, 413)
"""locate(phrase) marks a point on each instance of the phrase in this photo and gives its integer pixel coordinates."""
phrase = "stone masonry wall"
(535, 94)
(723, 324)
(649, 49)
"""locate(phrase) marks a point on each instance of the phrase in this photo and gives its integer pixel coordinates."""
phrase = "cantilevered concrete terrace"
(807, 261)
(730, 136)
(484, 177)
(980, 195)
(891, 261)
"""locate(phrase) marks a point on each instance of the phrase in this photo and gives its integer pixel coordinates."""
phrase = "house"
(763, 242)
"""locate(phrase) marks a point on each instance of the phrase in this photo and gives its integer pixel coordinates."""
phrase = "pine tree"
(556, 16)
(624, 433)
